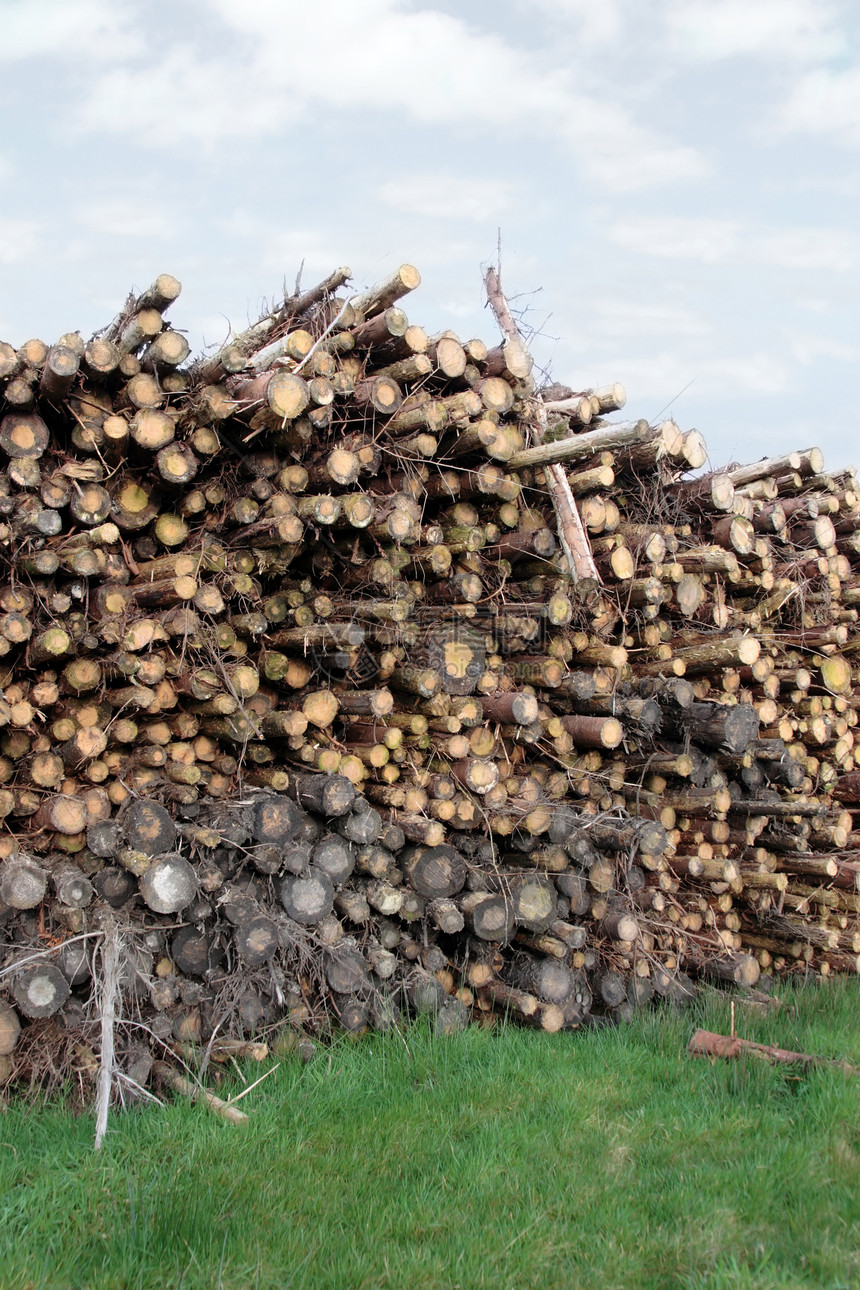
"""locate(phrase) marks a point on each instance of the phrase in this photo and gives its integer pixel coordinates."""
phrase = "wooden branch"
(705, 1043)
(180, 1084)
(582, 445)
(499, 305)
(109, 993)
(571, 530)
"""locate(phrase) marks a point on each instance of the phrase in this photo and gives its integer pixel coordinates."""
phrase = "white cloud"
(442, 196)
(283, 251)
(815, 304)
(19, 239)
(663, 376)
(759, 373)
(617, 317)
(594, 24)
(185, 97)
(806, 248)
(826, 103)
(712, 241)
(424, 66)
(805, 30)
(144, 218)
(460, 307)
(619, 154)
(676, 237)
(95, 29)
(808, 349)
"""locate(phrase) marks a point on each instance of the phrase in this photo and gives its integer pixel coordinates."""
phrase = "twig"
(334, 322)
(122, 1078)
(206, 1055)
(41, 954)
(246, 1091)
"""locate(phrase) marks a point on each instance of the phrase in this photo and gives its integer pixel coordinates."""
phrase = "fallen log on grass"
(706, 1043)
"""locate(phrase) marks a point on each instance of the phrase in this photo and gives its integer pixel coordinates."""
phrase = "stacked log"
(305, 693)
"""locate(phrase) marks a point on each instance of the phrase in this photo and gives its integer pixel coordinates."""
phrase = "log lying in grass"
(706, 1043)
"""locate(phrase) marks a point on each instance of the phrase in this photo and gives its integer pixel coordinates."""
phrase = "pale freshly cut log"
(169, 884)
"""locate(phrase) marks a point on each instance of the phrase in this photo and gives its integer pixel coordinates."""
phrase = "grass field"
(497, 1159)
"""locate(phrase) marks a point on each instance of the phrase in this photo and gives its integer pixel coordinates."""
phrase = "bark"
(732, 729)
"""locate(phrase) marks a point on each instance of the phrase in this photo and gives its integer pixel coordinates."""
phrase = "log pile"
(313, 704)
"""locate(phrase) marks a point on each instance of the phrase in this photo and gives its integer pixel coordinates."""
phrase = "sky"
(674, 184)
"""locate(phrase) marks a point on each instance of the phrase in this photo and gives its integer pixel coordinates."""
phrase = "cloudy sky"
(676, 181)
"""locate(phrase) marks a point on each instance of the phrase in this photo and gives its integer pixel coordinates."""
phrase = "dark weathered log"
(149, 828)
(612, 988)
(731, 728)
(490, 916)
(309, 899)
(39, 990)
(114, 885)
(334, 856)
(329, 795)
(547, 978)
(275, 820)
(436, 872)
(195, 951)
(362, 826)
(72, 887)
(256, 940)
(346, 972)
(23, 883)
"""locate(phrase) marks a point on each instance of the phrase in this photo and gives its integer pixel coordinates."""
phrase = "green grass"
(497, 1159)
